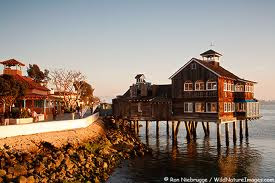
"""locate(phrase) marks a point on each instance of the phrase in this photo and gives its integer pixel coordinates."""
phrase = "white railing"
(42, 127)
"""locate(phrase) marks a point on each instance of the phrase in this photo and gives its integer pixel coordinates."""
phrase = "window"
(188, 107)
(229, 107)
(211, 107)
(193, 66)
(188, 86)
(232, 87)
(246, 88)
(225, 107)
(199, 85)
(233, 107)
(199, 107)
(211, 85)
(241, 88)
(225, 86)
(228, 86)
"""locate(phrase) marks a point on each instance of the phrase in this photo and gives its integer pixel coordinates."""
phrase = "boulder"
(19, 170)
(22, 179)
(2, 173)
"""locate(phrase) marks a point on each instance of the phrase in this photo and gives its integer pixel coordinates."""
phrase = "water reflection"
(198, 159)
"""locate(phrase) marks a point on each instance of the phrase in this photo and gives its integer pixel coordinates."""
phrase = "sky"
(112, 41)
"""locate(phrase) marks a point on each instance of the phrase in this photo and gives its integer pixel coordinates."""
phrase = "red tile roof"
(12, 62)
(30, 83)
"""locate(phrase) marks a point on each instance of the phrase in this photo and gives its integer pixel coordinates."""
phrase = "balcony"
(199, 94)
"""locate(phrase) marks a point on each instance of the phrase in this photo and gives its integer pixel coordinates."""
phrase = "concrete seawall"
(75, 132)
(42, 127)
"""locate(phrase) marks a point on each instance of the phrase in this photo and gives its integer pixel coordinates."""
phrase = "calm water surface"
(252, 158)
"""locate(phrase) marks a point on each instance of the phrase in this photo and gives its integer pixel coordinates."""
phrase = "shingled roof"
(12, 62)
(210, 52)
(216, 69)
(138, 76)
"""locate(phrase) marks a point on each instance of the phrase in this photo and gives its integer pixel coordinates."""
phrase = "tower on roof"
(211, 56)
(140, 78)
(12, 67)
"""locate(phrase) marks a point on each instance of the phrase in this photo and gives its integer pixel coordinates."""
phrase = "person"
(80, 112)
(54, 111)
(35, 116)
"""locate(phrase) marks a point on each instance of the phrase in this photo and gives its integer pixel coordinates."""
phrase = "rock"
(10, 170)
(2, 173)
(20, 170)
(40, 168)
(96, 180)
(30, 179)
(22, 179)
(105, 165)
(9, 177)
(2, 163)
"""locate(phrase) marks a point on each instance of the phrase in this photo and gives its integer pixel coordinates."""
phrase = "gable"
(193, 60)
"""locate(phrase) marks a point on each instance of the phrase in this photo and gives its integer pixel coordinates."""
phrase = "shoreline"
(86, 159)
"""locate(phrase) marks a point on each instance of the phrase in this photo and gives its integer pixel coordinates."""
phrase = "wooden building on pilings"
(201, 91)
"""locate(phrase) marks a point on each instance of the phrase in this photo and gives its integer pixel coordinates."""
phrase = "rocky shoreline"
(87, 162)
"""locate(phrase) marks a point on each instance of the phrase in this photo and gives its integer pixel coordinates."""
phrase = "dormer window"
(193, 66)
(188, 86)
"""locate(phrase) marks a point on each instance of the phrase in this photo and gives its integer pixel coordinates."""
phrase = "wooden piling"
(246, 128)
(218, 135)
(157, 128)
(194, 124)
(234, 132)
(167, 128)
(241, 129)
(147, 128)
(208, 129)
(137, 126)
(173, 130)
(188, 134)
(226, 134)
(204, 129)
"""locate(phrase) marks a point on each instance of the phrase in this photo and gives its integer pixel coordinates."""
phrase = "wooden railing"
(199, 94)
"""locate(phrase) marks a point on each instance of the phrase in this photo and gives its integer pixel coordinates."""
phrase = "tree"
(84, 91)
(10, 90)
(64, 82)
(35, 73)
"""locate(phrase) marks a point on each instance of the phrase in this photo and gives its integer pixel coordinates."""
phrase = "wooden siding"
(189, 74)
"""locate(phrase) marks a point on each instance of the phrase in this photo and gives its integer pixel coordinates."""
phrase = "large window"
(211, 107)
(225, 107)
(199, 107)
(188, 107)
(225, 86)
(188, 86)
(199, 85)
(229, 107)
(211, 85)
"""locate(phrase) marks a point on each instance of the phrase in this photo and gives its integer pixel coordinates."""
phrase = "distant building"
(37, 96)
(201, 90)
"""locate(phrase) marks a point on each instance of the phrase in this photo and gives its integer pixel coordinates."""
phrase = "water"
(252, 158)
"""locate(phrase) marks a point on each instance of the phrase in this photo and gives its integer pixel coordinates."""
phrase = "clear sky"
(111, 41)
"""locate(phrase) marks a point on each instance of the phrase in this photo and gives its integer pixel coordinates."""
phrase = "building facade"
(36, 96)
(201, 90)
